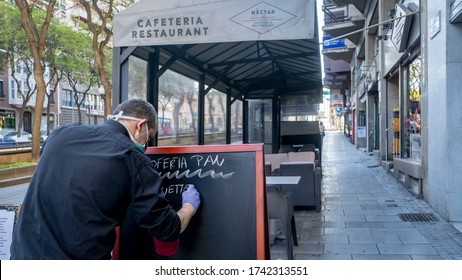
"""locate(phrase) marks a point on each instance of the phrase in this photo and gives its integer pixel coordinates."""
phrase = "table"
(282, 180)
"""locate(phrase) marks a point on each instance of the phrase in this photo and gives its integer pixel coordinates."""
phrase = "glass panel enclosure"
(137, 78)
(236, 123)
(215, 117)
(177, 109)
(260, 121)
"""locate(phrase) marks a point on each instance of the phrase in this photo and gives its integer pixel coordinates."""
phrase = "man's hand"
(191, 196)
(191, 201)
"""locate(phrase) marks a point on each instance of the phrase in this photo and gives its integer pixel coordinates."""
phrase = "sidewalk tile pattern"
(360, 216)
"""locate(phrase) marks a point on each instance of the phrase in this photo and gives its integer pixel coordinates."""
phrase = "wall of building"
(442, 185)
(70, 115)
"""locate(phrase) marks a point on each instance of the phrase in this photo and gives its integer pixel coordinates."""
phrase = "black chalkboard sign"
(231, 222)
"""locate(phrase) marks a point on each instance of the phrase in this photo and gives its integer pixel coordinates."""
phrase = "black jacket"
(86, 179)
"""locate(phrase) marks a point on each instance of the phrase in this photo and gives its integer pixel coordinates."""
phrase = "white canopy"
(172, 22)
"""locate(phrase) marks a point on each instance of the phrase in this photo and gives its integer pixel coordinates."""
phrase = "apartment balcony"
(17, 102)
(340, 49)
(335, 66)
(342, 21)
(456, 12)
(337, 74)
(337, 80)
(344, 54)
(359, 4)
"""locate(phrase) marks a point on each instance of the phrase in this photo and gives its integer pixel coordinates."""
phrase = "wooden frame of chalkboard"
(231, 222)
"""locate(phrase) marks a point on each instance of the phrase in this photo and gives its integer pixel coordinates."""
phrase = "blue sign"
(328, 43)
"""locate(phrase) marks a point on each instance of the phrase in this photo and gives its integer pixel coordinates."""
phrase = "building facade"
(15, 87)
(60, 106)
(404, 67)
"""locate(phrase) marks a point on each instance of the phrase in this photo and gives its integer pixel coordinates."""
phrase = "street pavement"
(362, 206)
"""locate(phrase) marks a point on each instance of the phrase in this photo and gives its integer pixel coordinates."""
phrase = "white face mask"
(121, 116)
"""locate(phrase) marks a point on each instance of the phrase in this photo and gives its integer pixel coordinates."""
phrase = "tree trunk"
(36, 42)
(39, 101)
(20, 120)
(191, 109)
(176, 118)
(104, 80)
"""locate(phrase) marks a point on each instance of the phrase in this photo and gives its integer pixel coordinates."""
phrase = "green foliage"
(108, 60)
(14, 38)
(16, 164)
(76, 54)
(66, 50)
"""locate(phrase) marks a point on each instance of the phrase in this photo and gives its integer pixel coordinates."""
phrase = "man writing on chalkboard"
(87, 178)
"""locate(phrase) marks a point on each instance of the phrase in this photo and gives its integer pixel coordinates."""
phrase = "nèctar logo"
(263, 17)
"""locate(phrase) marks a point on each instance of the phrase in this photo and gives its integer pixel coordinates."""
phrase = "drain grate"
(392, 205)
(418, 217)
(373, 166)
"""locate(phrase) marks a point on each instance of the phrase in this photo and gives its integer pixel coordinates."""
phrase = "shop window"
(7, 121)
(412, 122)
(362, 124)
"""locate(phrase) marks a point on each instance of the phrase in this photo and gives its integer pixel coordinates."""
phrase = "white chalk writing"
(169, 167)
(174, 189)
(198, 173)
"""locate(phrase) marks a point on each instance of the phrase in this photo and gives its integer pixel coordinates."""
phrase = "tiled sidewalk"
(360, 216)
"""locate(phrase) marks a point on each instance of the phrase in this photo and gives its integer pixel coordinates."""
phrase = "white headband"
(121, 116)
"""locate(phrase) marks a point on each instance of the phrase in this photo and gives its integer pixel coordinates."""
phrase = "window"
(260, 121)
(68, 98)
(25, 88)
(177, 109)
(95, 102)
(51, 99)
(215, 117)
(137, 78)
(7, 120)
(2, 95)
(236, 122)
(12, 89)
(412, 108)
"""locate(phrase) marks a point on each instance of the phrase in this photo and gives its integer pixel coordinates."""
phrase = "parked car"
(4, 132)
(43, 135)
(25, 136)
(7, 142)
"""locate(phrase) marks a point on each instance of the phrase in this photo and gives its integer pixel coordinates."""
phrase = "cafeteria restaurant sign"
(221, 21)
